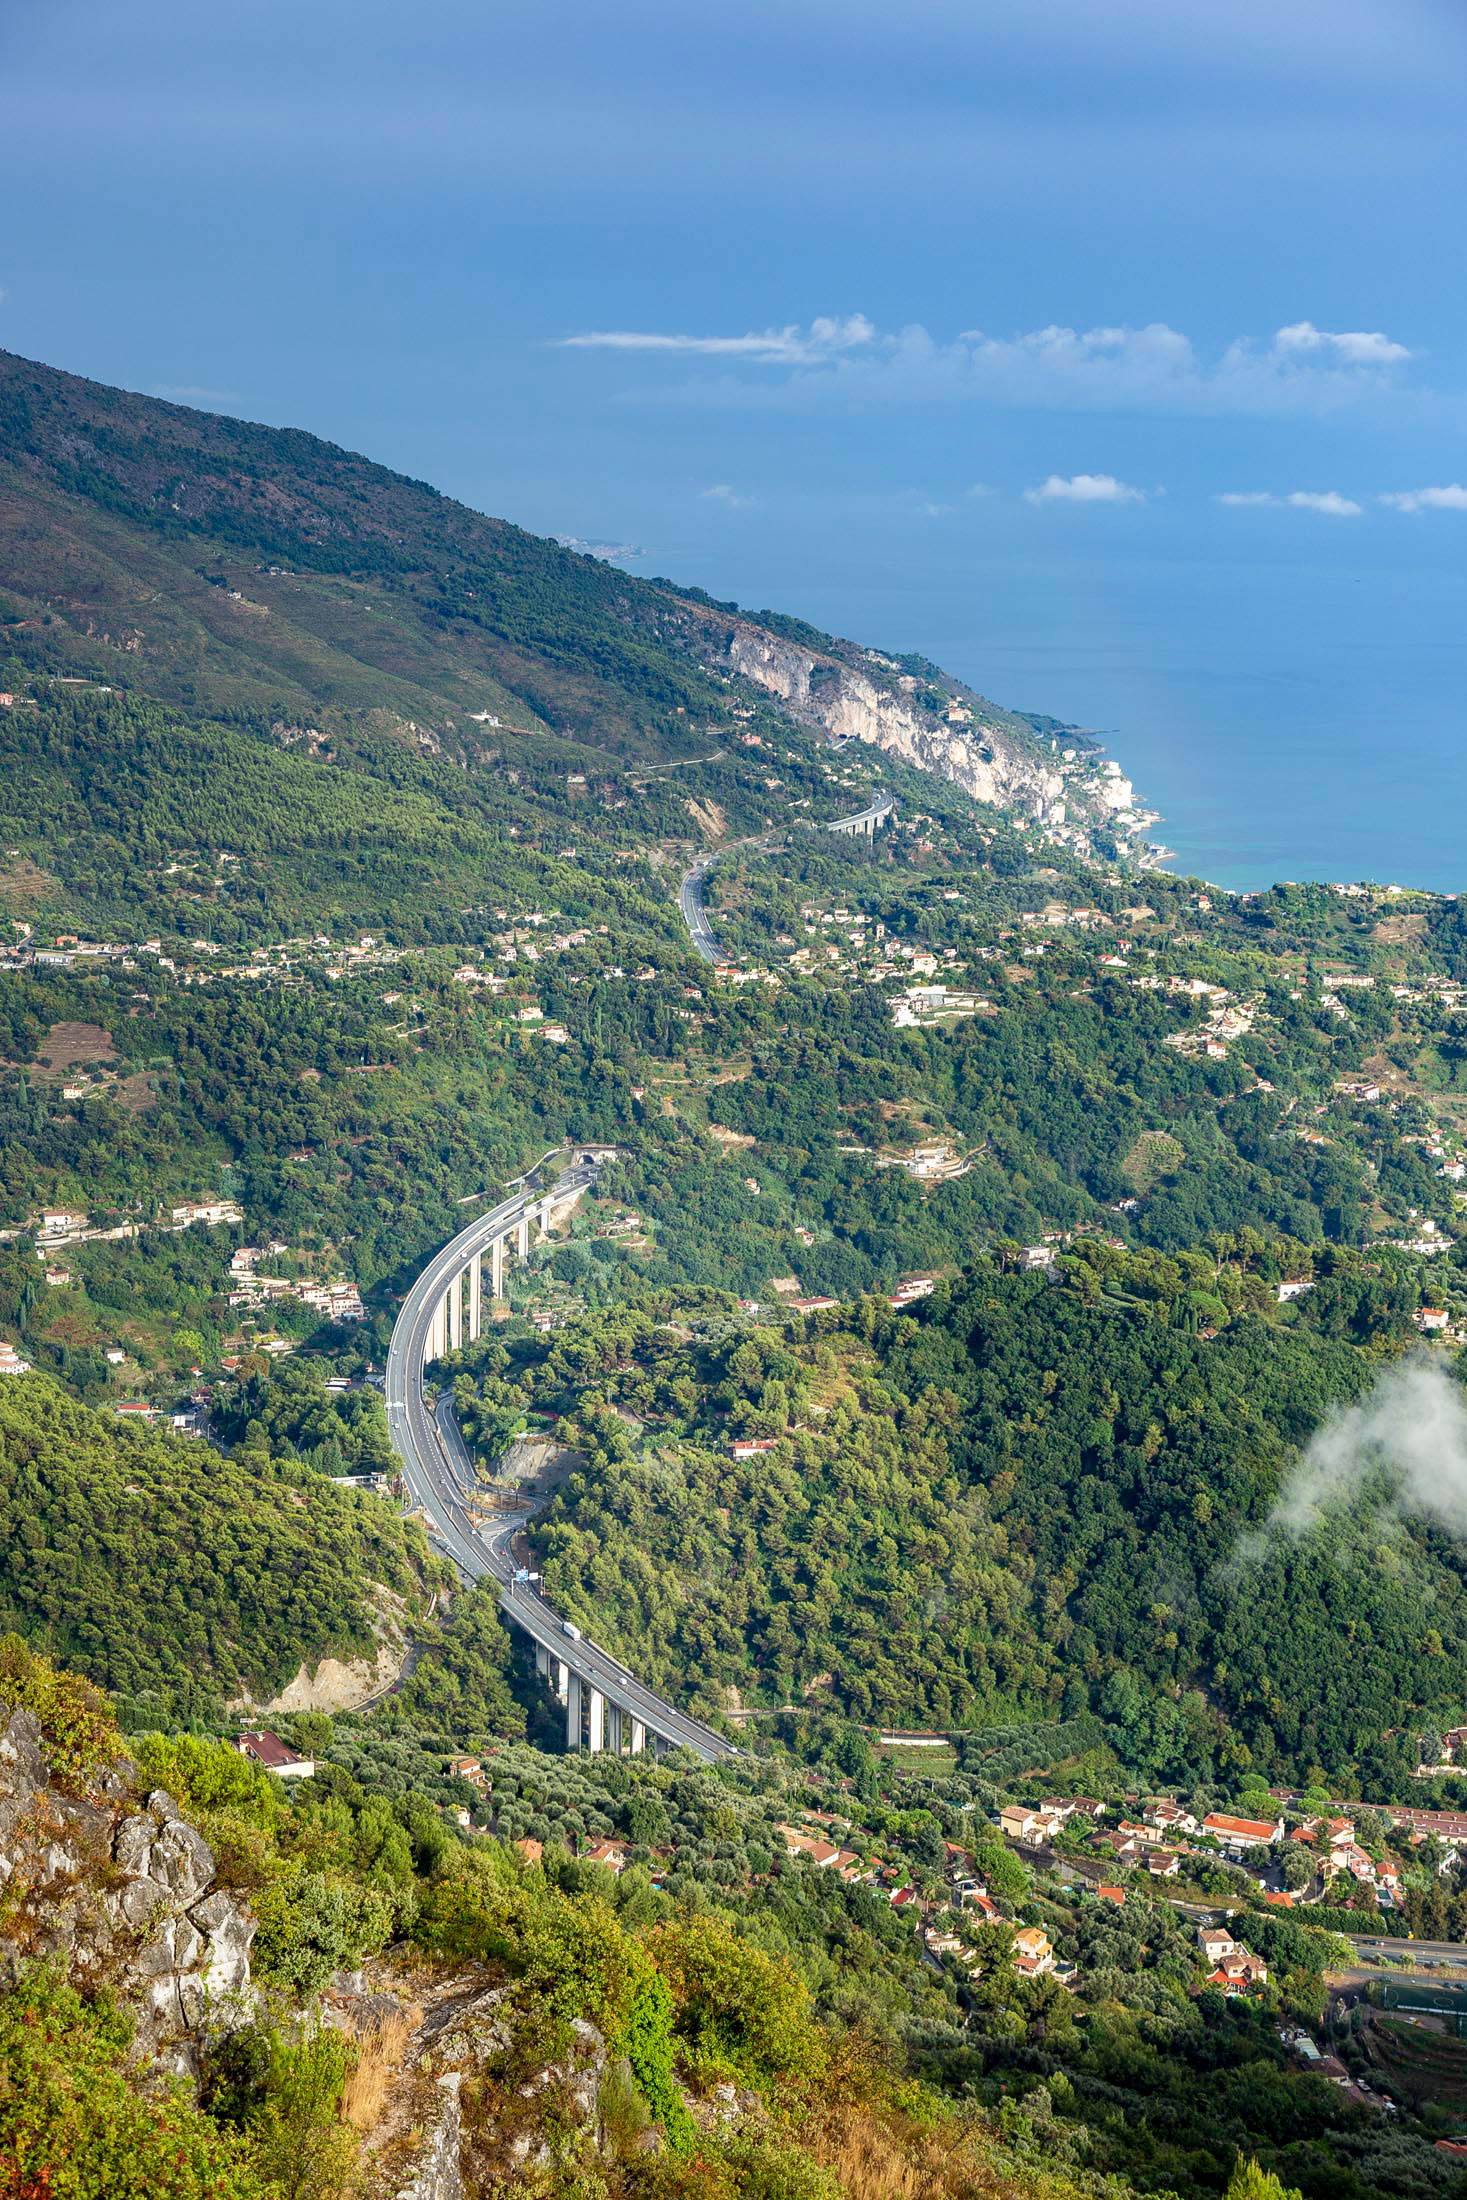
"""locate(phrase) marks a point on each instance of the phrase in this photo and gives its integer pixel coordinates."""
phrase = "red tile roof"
(267, 1749)
(1255, 1829)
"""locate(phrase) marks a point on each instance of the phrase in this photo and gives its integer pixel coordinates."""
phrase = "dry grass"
(381, 2055)
(890, 2156)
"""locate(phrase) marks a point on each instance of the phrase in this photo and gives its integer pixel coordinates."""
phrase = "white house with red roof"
(1242, 1833)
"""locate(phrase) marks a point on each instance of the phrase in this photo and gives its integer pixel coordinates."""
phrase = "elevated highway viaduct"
(606, 1707)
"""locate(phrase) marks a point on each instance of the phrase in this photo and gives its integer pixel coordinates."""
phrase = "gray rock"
(183, 1860)
(132, 1846)
(137, 1902)
(231, 1931)
(439, 2173)
(111, 1891)
(577, 2076)
(23, 1772)
(178, 1945)
(58, 1861)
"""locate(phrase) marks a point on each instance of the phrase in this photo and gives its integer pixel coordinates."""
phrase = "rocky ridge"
(943, 729)
(119, 1895)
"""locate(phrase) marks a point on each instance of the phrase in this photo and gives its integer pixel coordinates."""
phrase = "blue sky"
(956, 328)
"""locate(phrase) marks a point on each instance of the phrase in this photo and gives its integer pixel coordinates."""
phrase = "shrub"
(78, 1732)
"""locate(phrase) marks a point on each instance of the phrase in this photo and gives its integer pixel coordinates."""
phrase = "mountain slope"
(228, 567)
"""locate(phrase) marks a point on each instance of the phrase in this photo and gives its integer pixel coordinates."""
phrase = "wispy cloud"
(825, 339)
(1084, 489)
(1451, 497)
(194, 393)
(1327, 501)
(1299, 369)
(723, 492)
(1400, 1452)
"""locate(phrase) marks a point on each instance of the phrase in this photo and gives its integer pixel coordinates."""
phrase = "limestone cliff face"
(120, 1895)
(849, 704)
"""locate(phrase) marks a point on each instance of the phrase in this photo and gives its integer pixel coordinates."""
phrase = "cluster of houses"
(922, 1006)
(1231, 1967)
(336, 1300)
(1032, 1956)
(60, 1226)
(1160, 1837)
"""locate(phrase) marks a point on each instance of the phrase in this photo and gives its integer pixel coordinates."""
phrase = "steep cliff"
(937, 725)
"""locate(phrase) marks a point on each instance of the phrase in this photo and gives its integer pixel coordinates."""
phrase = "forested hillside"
(177, 1578)
(983, 1233)
(1033, 1498)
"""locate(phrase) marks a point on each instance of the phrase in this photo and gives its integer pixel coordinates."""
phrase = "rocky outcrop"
(849, 704)
(120, 1894)
(1074, 796)
(438, 2173)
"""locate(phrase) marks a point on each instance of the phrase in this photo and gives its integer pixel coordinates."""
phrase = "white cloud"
(1084, 489)
(1451, 497)
(1328, 501)
(1301, 369)
(1356, 347)
(723, 492)
(826, 338)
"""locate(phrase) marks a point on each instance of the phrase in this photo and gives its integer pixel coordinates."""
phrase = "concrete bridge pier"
(456, 1314)
(438, 1331)
(639, 1737)
(476, 1299)
(542, 1661)
(559, 1676)
(572, 1709)
(522, 1237)
(597, 1721)
(613, 1728)
(496, 1267)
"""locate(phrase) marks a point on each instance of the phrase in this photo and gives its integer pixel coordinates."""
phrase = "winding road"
(439, 1476)
(690, 893)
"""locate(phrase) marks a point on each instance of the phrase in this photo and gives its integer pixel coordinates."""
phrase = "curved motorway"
(695, 916)
(690, 892)
(438, 1474)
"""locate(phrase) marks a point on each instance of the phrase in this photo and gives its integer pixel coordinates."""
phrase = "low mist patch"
(1402, 1450)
